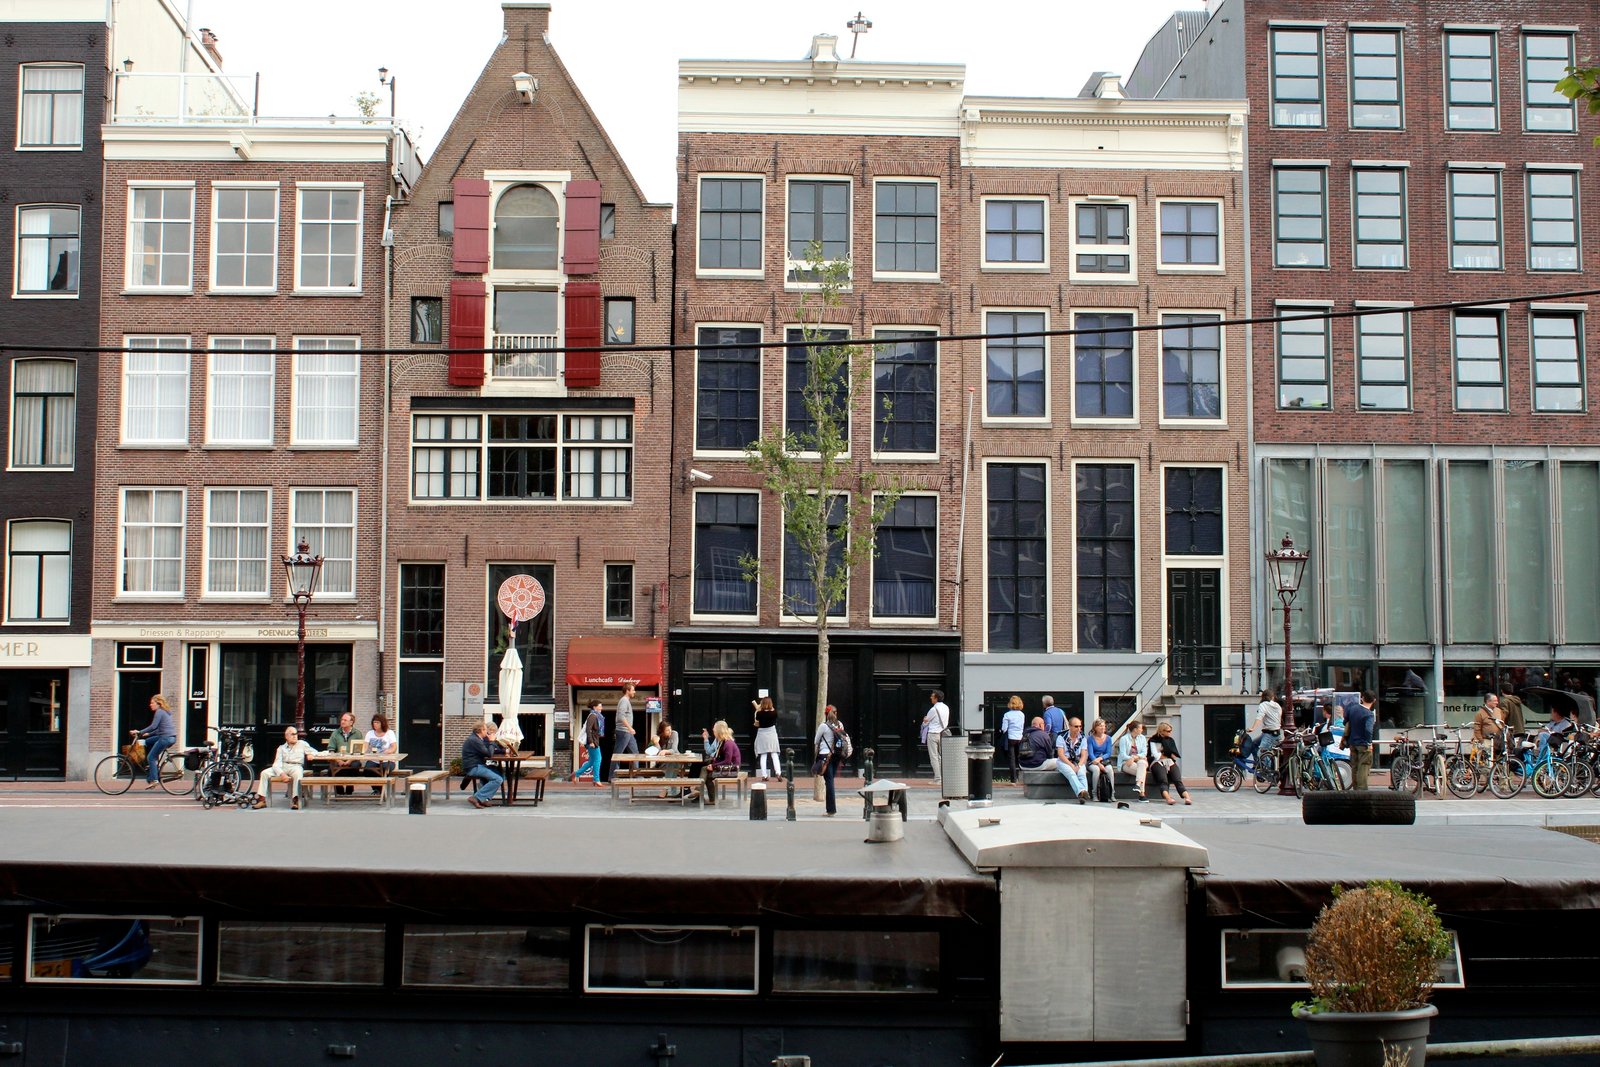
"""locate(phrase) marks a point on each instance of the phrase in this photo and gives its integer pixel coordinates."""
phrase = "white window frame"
(166, 595)
(873, 618)
(1026, 460)
(1179, 422)
(1076, 247)
(694, 555)
(475, 446)
(1041, 267)
(131, 278)
(790, 266)
(265, 592)
(11, 620)
(11, 426)
(295, 395)
(983, 384)
(301, 188)
(322, 592)
(563, 446)
(83, 102)
(787, 617)
(1138, 549)
(552, 182)
(761, 390)
(938, 231)
(17, 292)
(217, 189)
(568, 445)
(128, 341)
(1072, 367)
(1221, 265)
(702, 271)
(244, 342)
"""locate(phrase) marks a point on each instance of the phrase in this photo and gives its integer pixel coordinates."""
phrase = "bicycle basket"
(193, 759)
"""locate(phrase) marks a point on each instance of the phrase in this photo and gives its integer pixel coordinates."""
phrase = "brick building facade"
(1441, 465)
(244, 279)
(513, 450)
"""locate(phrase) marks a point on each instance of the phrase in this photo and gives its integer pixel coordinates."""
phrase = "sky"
(315, 56)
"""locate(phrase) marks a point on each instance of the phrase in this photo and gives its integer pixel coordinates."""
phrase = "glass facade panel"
(1580, 550)
(1471, 542)
(1405, 550)
(1527, 572)
(1291, 502)
(1348, 566)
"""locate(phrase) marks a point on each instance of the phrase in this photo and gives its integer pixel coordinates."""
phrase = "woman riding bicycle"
(160, 735)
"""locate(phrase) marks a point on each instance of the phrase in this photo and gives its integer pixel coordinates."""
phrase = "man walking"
(627, 740)
(1359, 723)
(1055, 722)
(934, 724)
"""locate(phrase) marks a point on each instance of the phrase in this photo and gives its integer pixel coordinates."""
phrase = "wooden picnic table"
(511, 762)
(632, 767)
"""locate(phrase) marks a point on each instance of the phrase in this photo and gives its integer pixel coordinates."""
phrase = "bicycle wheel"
(1582, 778)
(176, 778)
(1402, 775)
(1506, 777)
(1433, 781)
(1228, 779)
(1295, 772)
(113, 775)
(1343, 777)
(1266, 770)
(1550, 779)
(247, 777)
(1461, 777)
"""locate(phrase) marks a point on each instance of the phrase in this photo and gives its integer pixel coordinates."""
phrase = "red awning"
(610, 662)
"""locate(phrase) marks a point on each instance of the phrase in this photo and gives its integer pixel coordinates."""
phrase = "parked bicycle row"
(1562, 759)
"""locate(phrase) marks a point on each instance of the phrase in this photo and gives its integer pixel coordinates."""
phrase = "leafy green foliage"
(1582, 84)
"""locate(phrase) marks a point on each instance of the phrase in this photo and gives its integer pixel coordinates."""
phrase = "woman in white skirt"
(767, 738)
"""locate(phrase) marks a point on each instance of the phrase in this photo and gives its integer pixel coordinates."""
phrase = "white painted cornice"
(345, 144)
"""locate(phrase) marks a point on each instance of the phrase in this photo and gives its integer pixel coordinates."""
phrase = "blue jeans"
(152, 755)
(1074, 776)
(491, 783)
(830, 769)
(590, 763)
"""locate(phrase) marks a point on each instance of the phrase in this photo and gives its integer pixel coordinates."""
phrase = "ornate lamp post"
(1286, 566)
(303, 569)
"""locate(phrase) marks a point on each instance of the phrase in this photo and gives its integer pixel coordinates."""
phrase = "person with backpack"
(1102, 768)
(830, 744)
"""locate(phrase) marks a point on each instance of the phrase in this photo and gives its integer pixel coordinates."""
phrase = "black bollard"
(788, 754)
(758, 801)
(867, 769)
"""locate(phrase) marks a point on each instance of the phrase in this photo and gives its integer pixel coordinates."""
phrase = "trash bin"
(953, 765)
(980, 769)
(417, 798)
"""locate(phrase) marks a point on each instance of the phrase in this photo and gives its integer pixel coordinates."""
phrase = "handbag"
(922, 736)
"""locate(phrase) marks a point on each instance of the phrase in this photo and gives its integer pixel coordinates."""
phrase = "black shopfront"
(879, 682)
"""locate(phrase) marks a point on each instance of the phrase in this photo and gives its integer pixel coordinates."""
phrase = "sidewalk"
(584, 800)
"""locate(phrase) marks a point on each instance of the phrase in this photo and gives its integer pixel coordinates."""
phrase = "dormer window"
(526, 229)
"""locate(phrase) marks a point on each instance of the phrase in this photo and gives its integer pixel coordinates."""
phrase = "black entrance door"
(896, 724)
(33, 724)
(1194, 627)
(421, 712)
(134, 690)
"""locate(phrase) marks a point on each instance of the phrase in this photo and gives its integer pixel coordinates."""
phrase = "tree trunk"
(818, 786)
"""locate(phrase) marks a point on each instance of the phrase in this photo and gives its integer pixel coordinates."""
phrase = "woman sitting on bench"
(722, 756)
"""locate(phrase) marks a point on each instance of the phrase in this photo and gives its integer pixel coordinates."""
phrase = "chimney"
(824, 49)
(523, 17)
(209, 41)
(1110, 87)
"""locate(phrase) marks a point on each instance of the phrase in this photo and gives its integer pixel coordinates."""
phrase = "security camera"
(698, 475)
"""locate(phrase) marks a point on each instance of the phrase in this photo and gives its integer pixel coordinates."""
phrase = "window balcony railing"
(524, 356)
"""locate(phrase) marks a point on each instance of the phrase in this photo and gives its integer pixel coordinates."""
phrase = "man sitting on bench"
(475, 753)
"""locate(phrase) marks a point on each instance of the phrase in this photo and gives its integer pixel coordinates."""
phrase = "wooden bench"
(363, 786)
(432, 779)
(658, 786)
(1051, 785)
(722, 780)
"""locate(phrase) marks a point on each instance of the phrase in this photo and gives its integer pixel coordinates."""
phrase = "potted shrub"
(1371, 963)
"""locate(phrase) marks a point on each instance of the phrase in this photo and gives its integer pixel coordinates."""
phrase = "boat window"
(111, 948)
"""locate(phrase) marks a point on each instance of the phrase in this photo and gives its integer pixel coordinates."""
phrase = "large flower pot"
(1361, 1039)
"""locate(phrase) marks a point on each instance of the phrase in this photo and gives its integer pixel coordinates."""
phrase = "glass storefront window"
(1407, 589)
(1465, 686)
(1580, 551)
(1527, 570)
(1403, 695)
(1347, 566)
(1471, 542)
(1290, 505)
(258, 684)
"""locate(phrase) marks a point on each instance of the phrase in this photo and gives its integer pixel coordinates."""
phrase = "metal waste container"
(417, 798)
(953, 765)
(980, 769)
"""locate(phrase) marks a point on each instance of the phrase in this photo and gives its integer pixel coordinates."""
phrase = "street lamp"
(303, 570)
(384, 78)
(1287, 566)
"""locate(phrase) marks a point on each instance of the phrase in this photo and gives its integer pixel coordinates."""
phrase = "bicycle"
(1263, 766)
(1404, 754)
(1310, 769)
(1423, 768)
(116, 774)
(225, 776)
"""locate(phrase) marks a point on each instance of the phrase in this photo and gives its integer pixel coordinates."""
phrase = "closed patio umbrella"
(510, 697)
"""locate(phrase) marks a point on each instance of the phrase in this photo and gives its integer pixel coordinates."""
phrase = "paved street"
(585, 801)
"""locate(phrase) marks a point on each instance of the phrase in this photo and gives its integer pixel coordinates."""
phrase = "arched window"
(525, 229)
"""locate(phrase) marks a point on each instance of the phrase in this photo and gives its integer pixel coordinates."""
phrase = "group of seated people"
(1089, 762)
(291, 761)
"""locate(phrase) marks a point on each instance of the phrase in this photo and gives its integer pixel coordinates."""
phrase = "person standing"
(1055, 720)
(766, 725)
(475, 753)
(829, 746)
(627, 740)
(594, 726)
(159, 736)
(1487, 725)
(1359, 724)
(934, 724)
(1011, 724)
(1511, 709)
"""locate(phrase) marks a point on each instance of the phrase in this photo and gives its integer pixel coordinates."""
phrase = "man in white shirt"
(1267, 729)
(936, 721)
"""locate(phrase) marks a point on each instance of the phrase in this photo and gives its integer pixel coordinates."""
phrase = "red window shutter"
(472, 225)
(466, 330)
(583, 228)
(583, 331)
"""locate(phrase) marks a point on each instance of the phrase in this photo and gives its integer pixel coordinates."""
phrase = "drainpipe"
(1433, 714)
(1260, 609)
(387, 241)
(961, 559)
